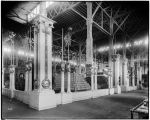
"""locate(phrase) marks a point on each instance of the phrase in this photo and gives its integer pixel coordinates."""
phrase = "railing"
(19, 95)
(76, 96)
(6, 92)
(22, 96)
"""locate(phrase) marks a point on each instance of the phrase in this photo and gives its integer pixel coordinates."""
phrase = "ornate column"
(12, 80)
(120, 72)
(89, 45)
(132, 68)
(43, 97)
(132, 71)
(76, 77)
(80, 55)
(110, 84)
(116, 60)
(62, 76)
(68, 78)
(95, 71)
(125, 78)
(3, 69)
(26, 78)
(66, 97)
(36, 31)
(92, 78)
(138, 73)
(30, 76)
(111, 52)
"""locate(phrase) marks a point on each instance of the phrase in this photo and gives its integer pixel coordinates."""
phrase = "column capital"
(28, 66)
(62, 65)
(68, 67)
(12, 69)
(39, 19)
(125, 60)
(115, 57)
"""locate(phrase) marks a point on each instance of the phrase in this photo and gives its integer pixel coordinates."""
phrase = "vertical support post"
(95, 71)
(62, 64)
(80, 54)
(12, 80)
(49, 53)
(111, 50)
(62, 76)
(89, 42)
(120, 72)
(116, 60)
(26, 78)
(30, 76)
(36, 30)
(125, 79)
(138, 71)
(95, 77)
(117, 70)
(3, 69)
(68, 72)
(132, 70)
(43, 97)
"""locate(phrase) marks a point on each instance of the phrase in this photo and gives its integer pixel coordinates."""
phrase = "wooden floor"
(113, 107)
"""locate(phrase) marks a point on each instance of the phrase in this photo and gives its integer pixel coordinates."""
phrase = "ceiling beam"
(96, 24)
(101, 28)
(61, 8)
(110, 17)
(96, 9)
(121, 24)
(79, 14)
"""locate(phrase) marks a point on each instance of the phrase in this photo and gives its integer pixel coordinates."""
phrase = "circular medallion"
(45, 84)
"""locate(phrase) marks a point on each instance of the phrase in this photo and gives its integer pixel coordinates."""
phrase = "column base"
(100, 92)
(95, 93)
(125, 88)
(117, 89)
(111, 91)
(66, 98)
(11, 93)
(42, 100)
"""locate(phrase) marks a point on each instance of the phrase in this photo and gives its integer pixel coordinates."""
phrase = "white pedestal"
(124, 88)
(100, 92)
(111, 91)
(66, 98)
(117, 89)
(94, 93)
(42, 100)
